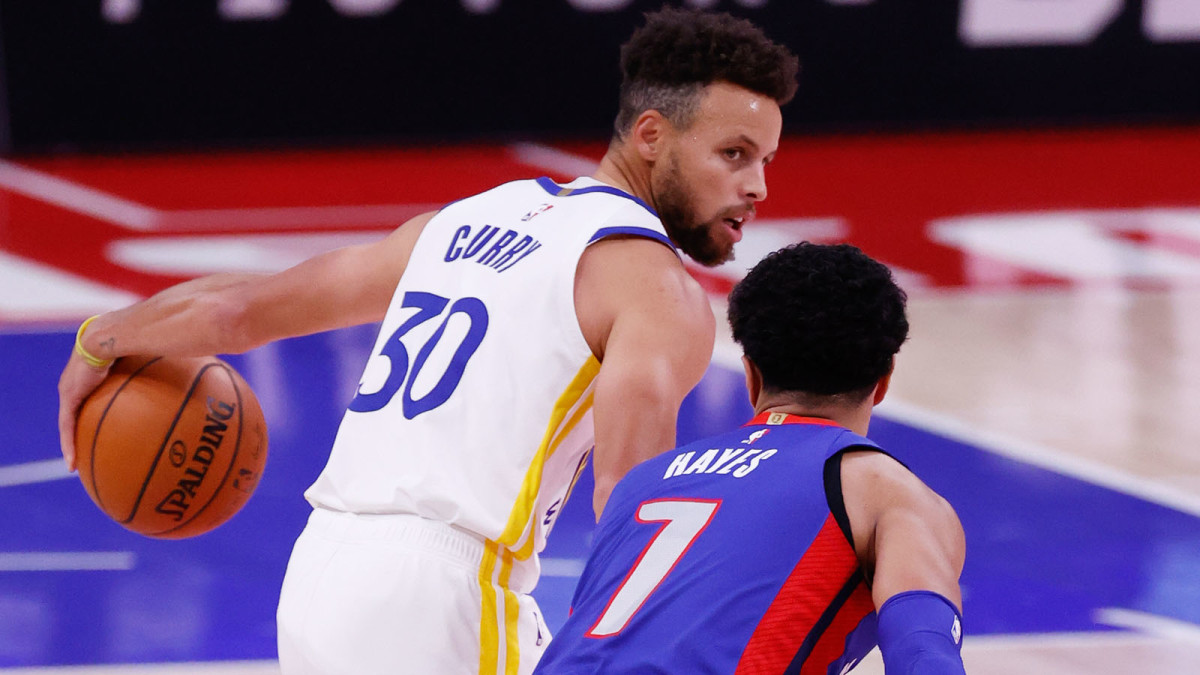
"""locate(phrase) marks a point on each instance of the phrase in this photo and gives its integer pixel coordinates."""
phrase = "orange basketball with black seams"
(171, 447)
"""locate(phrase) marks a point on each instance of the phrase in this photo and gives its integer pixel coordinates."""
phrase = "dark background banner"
(119, 74)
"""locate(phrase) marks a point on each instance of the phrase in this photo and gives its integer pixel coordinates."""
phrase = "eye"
(734, 154)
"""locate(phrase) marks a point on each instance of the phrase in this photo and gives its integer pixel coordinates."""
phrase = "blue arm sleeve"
(920, 633)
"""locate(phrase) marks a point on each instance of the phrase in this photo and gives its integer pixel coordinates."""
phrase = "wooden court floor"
(1054, 282)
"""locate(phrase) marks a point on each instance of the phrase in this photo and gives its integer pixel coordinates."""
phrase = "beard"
(697, 239)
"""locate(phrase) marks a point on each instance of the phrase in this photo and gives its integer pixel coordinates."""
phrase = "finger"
(66, 434)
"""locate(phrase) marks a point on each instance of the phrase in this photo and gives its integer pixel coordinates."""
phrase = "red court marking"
(292, 178)
(886, 188)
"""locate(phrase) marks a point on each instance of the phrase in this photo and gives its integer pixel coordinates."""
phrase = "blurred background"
(122, 75)
(1030, 169)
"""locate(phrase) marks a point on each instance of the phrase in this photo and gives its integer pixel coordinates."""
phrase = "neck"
(855, 418)
(621, 171)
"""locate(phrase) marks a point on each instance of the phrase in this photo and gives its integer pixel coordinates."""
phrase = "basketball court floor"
(1050, 390)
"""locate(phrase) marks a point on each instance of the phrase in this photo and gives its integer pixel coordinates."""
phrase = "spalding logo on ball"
(171, 447)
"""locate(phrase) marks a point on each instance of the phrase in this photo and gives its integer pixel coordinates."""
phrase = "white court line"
(567, 568)
(41, 471)
(728, 354)
(1042, 456)
(67, 561)
(1066, 640)
(293, 216)
(1141, 628)
(1150, 624)
(77, 198)
(131, 215)
(552, 159)
(35, 289)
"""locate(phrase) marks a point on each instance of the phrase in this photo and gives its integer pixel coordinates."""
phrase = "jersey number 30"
(428, 306)
(682, 522)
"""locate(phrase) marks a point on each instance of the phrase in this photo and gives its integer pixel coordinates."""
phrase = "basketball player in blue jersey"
(793, 544)
(520, 327)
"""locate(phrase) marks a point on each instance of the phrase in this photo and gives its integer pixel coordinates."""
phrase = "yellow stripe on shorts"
(489, 638)
(489, 630)
(512, 646)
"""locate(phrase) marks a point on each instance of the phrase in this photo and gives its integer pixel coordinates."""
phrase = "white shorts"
(390, 594)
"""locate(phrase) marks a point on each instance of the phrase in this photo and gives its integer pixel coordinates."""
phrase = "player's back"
(723, 556)
(474, 409)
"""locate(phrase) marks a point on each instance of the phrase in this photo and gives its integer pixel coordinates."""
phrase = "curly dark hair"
(667, 62)
(820, 320)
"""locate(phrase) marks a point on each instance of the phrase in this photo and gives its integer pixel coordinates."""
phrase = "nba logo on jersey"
(541, 209)
(776, 418)
(755, 436)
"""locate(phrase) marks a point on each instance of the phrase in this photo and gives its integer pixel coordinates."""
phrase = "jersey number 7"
(682, 522)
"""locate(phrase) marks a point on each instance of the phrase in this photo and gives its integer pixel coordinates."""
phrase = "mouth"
(735, 224)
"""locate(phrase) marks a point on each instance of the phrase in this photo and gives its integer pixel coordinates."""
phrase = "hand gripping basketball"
(171, 447)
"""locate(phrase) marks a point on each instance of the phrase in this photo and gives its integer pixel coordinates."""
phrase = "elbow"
(600, 494)
(655, 388)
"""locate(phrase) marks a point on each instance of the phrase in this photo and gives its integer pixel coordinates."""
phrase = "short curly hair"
(821, 320)
(666, 64)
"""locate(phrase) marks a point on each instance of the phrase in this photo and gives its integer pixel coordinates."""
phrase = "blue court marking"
(1045, 551)
(208, 598)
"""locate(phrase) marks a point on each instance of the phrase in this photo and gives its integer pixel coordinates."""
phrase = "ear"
(754, 380)
(648, 135)
(884, 382)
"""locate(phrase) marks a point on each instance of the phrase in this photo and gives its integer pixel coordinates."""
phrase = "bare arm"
(903, 531)
(652, 328)
(232, 313)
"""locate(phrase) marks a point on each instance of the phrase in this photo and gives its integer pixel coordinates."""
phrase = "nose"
(755, 186)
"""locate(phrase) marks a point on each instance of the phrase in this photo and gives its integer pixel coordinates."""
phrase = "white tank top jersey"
(475, 406)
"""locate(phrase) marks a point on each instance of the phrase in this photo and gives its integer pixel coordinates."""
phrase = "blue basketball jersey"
(725, 556)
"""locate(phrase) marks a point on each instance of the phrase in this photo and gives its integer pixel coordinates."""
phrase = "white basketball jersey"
(475, 406)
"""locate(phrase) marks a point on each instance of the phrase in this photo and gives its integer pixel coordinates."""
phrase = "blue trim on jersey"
(639, 231)
(560, 191)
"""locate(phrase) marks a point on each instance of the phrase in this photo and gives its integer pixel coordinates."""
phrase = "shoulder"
(906, 536)
(633, 269)
(878, 489)
(640, 279)
(880, 479)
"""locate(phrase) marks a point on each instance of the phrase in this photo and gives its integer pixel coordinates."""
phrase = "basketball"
(171, 447)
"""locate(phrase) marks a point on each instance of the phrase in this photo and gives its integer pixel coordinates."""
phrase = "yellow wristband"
(83, 353)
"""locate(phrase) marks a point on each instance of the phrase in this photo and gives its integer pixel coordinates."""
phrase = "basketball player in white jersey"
(521, 327)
